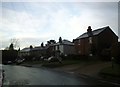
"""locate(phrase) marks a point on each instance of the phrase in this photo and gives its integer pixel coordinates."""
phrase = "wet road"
(19, 75)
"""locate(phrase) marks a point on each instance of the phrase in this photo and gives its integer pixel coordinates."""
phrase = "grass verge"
(57, 64)
(64, 63)
(111, 73)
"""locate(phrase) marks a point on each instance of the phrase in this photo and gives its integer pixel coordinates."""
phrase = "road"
(20, 75)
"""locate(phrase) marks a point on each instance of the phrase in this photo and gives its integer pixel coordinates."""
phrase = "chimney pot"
(89, 29)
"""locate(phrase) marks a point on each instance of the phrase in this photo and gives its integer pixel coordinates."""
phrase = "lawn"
(52, 64)
(69, 62)
(57, 64)
(111, 73)
(64, 63)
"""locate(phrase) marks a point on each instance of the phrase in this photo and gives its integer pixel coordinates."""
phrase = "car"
(9, 62)
(44, 58)
(51, 58)
(20, 61)
(54, 59)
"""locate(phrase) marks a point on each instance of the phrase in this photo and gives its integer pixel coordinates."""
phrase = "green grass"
(111, 71)
(57, 64)
(111, 74)
(52, 64)
(64, 62)
(69, 62)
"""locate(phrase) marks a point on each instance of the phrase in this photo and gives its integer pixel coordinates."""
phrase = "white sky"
(36, 21)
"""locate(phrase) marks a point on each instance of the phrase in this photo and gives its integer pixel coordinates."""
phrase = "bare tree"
(15, 42)
(11, 47)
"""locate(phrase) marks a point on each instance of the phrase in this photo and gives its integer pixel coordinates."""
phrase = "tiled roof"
(39, 48)
(66, 42)
(95, 32)
(33, 49)
(25, 49)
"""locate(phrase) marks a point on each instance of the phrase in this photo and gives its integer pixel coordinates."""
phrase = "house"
(95, 42)
(65, 47)
(25, 52)
(39, 51)
(36, 51)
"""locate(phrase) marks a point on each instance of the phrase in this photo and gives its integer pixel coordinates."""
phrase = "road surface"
(20, 75)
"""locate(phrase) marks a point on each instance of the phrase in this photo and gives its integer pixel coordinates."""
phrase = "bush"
(9, 55)
(117, 60)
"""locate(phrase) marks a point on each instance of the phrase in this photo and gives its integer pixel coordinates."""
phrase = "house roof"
(94, 32)
(25, 49)
(66, 42)
(39, 48)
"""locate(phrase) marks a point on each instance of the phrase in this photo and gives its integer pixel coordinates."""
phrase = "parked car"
(41, 57)
(20, 61)
(54, 59)
(44, 58)
(9, 62)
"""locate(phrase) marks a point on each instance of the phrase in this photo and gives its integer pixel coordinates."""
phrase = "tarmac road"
(20, 75)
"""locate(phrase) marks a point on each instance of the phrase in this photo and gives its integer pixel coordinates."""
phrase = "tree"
(51, 42)
(15, 43)
(11, 47)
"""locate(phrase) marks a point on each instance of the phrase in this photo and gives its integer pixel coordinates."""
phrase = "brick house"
(96, 41)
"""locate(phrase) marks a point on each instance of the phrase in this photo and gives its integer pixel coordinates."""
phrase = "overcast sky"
(36, 22)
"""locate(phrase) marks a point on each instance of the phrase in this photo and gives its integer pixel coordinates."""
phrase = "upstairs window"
(90, 40)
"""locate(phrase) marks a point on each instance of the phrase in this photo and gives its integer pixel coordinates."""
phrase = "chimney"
(89, 31)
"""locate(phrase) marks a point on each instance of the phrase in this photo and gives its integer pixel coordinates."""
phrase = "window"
(79, 40)
(90, 40)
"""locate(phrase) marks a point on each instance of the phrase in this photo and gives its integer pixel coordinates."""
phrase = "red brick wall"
(82, 46)
(103, 40)
(77, 46)
(106, 39)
